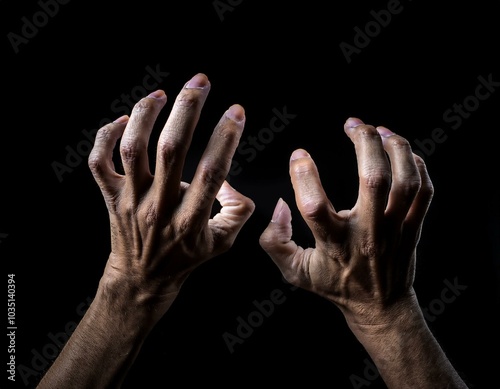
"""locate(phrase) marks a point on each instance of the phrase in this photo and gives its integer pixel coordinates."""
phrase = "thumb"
(276, 240)
(235, 210)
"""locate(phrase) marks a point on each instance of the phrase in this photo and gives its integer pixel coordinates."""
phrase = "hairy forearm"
(407, 354)
(104, 345)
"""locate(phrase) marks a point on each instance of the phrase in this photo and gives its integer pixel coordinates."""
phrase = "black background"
(54, 232)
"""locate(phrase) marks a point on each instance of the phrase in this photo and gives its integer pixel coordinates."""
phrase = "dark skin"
(162, 229)
(364, 258)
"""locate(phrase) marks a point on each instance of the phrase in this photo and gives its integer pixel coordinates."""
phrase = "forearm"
(104, 345)
(407, 354)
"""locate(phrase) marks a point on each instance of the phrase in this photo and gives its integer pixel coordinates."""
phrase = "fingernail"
(300, 153)
(122, 119)
(279, 216)
(385, 132)
(159, 94)
(353, 122)
(236, 113)
(199, 81)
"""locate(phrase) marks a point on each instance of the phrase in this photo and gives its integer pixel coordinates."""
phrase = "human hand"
(161, 227)
(364, 257)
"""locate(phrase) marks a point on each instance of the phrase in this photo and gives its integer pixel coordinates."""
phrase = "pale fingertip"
(199, 81)
(225, 191)
(122, 119)
(158, 94)
(227, 185)
(236, 113)
(384, 131)
(281, 214)
(353, 122)
(299, 153)
(233, 201)
(277, 210)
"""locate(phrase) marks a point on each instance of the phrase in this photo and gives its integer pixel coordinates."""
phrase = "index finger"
(313, 203)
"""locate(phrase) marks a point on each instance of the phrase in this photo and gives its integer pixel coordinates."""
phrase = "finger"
(214, 165)
(373, 169)
(135, 139)
(312, 201)
(276, 241)
(100, 160)
(175, 138)
(405, 175)
(421, 203)
(235, 210)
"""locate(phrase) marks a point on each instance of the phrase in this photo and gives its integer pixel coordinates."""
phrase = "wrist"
(123, 294)
(384, 321)
(402, 346)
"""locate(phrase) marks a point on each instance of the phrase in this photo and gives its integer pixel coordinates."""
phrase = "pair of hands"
(161, 228)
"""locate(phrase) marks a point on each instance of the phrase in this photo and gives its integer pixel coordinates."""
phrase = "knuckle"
(95, 163)
(411, 186)
(144, 106)
(188, 99)
(366, 131)
(302, 166)
(211, 176)
(168, 148)
(104, 133)
(398, 142)
(128, 151)
(313, 208)
(376, 180)
(426, 187)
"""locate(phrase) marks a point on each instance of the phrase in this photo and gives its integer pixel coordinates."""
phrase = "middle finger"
(373, 169)
(175, 138)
